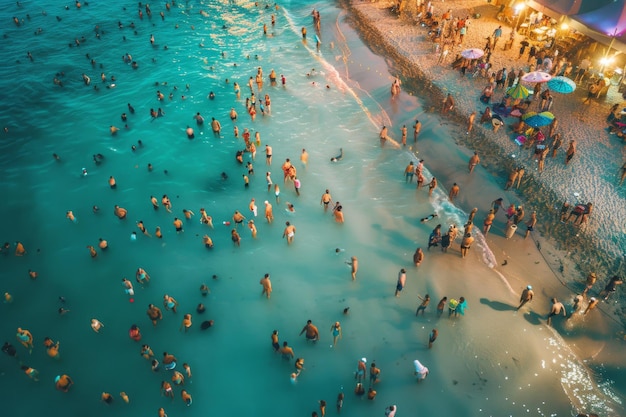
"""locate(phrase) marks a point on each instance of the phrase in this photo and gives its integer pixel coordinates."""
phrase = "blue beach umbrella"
(533, 119)
(562, 85)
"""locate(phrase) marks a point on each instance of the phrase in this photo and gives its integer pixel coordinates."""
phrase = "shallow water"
(470, 374)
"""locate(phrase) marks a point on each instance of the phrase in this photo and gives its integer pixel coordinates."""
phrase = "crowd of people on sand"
(534, 139)
(448, 30)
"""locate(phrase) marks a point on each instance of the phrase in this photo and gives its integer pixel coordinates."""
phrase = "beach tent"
(567, 7)
(609, 20)
(602, 20)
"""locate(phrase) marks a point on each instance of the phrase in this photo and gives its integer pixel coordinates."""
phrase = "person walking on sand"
(497, 34)
(526, 297)
(571, 151)
(611, 287)
(473, 161)
(354, 266)
(593, 303)
(470, 123)
(512, 178)
(520, 175)
(454, 191)
(557, 309)
(591, 280)
(556, 144)
(401, 282)
(267, 285)
(531, 223)
(466, 244)
(448, 104)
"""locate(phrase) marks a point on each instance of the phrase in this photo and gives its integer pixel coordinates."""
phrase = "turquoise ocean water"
(234, 369)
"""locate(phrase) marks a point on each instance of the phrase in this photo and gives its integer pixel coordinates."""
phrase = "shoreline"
(573, 251)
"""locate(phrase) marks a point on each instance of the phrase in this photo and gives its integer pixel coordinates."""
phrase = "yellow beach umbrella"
(518, 91)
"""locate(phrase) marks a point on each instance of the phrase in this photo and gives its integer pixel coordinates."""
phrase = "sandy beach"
(596, 247)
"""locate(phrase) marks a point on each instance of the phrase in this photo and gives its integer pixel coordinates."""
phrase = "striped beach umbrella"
(518, 91)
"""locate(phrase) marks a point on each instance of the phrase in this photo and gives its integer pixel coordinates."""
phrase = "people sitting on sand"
(486, 117)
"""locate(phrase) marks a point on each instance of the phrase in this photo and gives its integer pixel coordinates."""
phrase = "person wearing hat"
(361, 370)
(593, 302)
(591, 279)
(527, 295)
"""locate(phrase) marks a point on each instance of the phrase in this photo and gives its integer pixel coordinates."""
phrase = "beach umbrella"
(518, 91)
(534, 119)
(536, 77)
(473, 53)
(562, 85)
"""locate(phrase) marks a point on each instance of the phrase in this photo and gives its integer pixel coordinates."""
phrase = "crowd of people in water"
(165, 366)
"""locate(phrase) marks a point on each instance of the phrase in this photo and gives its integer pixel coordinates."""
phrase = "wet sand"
(576, 251)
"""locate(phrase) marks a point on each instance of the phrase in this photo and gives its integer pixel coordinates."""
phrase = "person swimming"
(428, 218)
(338, 157)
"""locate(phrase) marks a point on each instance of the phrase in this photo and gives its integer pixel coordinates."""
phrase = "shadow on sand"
(497, 305)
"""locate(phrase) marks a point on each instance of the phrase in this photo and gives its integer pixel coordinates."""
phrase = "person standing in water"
(311, 331)
(289, 232)
(473, 161)
(417, 127)
(432, 337)
(354, 266)
(557, 309)
(335, 329)
(267, 285)
(401, 282)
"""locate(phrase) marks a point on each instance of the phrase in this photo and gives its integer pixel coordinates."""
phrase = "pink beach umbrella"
(473, 53)
(537, 77)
